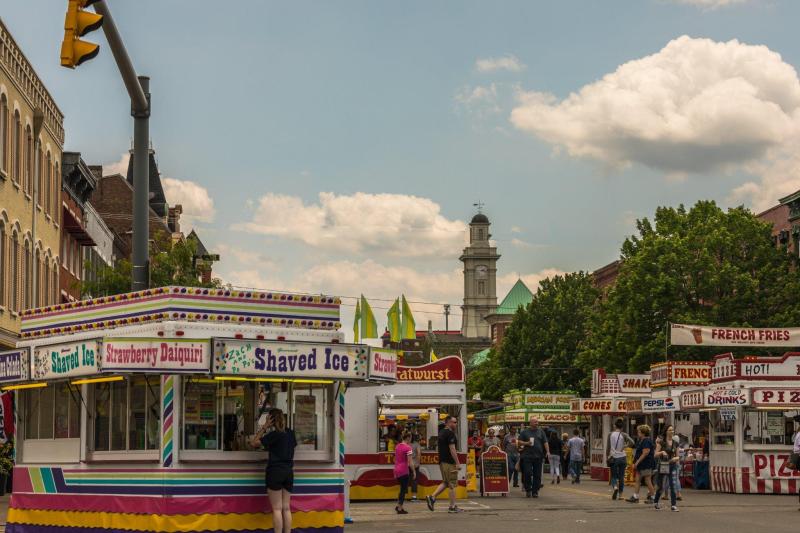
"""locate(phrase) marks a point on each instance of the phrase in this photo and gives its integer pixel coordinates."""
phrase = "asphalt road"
(586, 508)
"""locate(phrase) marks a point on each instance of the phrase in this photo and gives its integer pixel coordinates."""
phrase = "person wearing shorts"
(644, 464)
(280, 442)
(448, 464)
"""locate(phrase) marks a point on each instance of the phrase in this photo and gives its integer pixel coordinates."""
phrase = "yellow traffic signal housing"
(78, 23)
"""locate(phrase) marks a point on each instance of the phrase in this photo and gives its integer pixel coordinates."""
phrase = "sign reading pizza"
(694, 399)
(445, 369)
(777, 397)
(690, 335)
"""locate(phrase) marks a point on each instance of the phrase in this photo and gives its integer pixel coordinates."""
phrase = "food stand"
(136, 410)
(552, 409)
(613, 396)
(752, 402)
(419, 400)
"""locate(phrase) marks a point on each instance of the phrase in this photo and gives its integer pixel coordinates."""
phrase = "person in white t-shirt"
(618, 440)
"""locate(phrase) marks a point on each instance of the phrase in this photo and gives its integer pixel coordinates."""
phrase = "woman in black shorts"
(280, 442)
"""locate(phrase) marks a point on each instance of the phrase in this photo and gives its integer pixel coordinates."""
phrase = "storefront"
(752, 403)
(138, 409)
(419, 401)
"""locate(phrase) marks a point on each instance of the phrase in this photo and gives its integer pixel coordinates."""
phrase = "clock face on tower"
(481, 272)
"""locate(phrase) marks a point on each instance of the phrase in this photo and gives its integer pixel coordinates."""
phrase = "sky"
(340, 147)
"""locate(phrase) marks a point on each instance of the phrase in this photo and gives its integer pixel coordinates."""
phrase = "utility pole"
(447, 317)
(139, 91)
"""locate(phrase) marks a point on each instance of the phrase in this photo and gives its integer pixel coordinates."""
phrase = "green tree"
(701, 266)
(543, 340)
(171, 263)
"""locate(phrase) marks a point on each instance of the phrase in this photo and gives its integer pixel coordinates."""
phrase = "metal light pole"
(139, 91)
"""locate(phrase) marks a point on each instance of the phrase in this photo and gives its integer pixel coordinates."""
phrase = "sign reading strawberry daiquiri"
(445, 369)
(137, 354)
(689, 335)
(382, 365)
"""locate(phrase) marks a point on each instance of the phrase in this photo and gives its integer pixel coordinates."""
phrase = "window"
(28, 182)
(37, 296)
(723, 430)
(480, 234)
(52, 412)
(27, 284)
(54, 284)
(46, 289)
(3, 273)
(16, 148)
(3, 132)
(48, 171)
(15, 272)
(39, 175)
(768, 427)
(222, 415)
(481, 288)
(127, 414)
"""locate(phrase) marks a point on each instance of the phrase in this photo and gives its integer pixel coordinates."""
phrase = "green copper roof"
(479, 358)
(519, 295)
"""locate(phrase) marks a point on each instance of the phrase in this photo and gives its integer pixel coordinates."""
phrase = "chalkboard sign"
(494, 471)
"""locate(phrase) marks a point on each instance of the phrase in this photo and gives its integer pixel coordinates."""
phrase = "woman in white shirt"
(618, 440)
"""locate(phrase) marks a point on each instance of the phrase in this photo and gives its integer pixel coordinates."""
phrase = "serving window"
(52, 412)
(724, 430)
(222, 416)
(768, 427)
(424, 424)
(125, 414)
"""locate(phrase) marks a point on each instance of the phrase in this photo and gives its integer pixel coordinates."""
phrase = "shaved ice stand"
(136, 411)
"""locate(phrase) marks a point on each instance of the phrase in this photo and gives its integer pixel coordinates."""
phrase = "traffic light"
(78, 23)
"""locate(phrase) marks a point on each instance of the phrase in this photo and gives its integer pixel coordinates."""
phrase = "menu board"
(494, 471)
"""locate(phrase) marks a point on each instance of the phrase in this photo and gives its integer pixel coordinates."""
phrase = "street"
(586, 507)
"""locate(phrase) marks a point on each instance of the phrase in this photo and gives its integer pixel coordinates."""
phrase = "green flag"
(409, 327)
(393, 317)
(369, 327)
(356, 320)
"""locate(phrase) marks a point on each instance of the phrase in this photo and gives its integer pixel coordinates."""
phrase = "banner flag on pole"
(369, 327)
(393, 317)
(409, 327)
(356, 320)
(433, 356)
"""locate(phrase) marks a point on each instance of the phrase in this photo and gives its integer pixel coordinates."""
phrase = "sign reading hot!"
(445, 369)
(690, 335)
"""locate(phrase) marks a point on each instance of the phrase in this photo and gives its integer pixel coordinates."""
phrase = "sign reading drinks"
(155, 355)
(382, 365)
(290, 359)
(688, 335)
(726, 397)
(68, 360)
(14, 365)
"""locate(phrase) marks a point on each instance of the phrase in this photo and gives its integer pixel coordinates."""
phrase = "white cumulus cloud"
(695, 106)
(198, 206)
(119, 166)
(709, 4)
(391, 224)
(510, 63)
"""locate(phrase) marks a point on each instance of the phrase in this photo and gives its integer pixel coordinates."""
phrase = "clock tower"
(480, 274)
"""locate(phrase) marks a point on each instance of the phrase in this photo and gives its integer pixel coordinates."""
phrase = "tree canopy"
(171, 263)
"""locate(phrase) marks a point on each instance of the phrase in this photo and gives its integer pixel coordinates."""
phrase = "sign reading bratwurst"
(277, 359)
(688, 335)
(445, 369)
(155, 355)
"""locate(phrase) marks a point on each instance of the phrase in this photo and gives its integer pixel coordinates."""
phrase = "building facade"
(30, 186)
(480, 279)
(519, 296)
(78, 183)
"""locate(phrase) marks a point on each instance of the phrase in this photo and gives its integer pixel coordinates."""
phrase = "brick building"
(78, 184)
(30, 185)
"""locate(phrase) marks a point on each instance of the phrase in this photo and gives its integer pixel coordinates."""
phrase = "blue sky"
(403, 114)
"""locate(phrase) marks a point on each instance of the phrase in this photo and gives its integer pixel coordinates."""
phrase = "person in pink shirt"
(403, 469)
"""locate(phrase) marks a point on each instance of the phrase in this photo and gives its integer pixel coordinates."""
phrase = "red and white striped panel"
(727, 479)
(723, 478)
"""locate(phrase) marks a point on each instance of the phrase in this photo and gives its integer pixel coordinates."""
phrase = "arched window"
(27, 277)
(37, 294)
(45, 290)
(46, 200)
(56, 188)
(54, 284)
(3, 263)
(39, 177)
(16, 148)
(14, 303)
(28, 182)
(3, 132)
